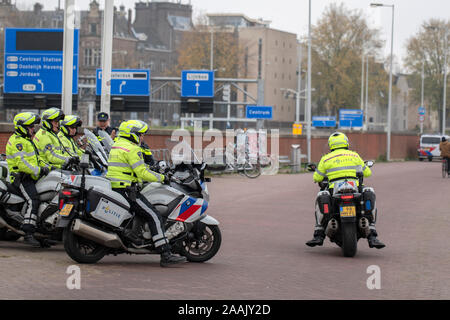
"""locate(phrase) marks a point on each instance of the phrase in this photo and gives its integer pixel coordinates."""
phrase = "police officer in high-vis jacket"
(342, 163)
(67, 132)
(26, 166)
(48, 142)
(126, 166)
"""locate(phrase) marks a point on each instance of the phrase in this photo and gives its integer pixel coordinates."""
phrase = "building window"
(93, 28)
(276, 42)
(275, 91)
(275, 75)
(87, 57)
(97, 57)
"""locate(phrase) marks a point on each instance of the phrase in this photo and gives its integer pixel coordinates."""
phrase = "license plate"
(65, 211)
(348, 211)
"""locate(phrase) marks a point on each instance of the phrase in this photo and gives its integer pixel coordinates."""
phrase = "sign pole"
(69, 26)
(107, 42)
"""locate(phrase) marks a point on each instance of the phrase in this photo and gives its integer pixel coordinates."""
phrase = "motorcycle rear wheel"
(206, 248)
(82, 250)
(349, 239)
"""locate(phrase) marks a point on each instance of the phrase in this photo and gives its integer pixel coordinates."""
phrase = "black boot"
(30, 240)
(374, 242)
(168, 258)
(317, 240)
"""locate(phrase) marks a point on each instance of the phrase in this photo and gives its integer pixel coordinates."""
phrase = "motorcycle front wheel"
(204, 248)
(349, 239)
(82, 250)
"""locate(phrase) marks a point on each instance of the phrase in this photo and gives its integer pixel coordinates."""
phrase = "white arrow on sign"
(121, 85)
(196, 87)
(42, 84)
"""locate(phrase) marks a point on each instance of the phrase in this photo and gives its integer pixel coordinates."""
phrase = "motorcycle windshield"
(107, 141)
(96, 147)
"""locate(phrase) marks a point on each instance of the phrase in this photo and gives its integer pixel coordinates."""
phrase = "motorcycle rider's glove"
(166, 179)
(44, 171)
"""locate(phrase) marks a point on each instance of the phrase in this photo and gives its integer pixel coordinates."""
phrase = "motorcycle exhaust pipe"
(4, 224)
(331, 228)
(110, 240)
(364, 226)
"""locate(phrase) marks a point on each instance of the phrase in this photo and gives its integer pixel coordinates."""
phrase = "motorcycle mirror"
(370, 163)
(311, 167)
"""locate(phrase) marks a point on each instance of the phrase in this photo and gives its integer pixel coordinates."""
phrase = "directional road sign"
(33, 61)
(350, 118)
(421, 110)
(323, 122)
(126, 82)
(197, 84)
(259, 112)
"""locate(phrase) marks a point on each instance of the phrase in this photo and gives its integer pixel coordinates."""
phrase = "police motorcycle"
(346, 214)
(97, 220)
(13, 205)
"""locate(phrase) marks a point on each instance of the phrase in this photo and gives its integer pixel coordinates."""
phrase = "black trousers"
(28, 188)
(142, 207)
(448, 163)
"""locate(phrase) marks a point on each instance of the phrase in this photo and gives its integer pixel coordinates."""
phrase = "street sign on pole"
(421, 110)
(126, 82)
(350, 118)
(297, 129)
(34, 61)
(197, 84)
(324, 122)
(259, 112)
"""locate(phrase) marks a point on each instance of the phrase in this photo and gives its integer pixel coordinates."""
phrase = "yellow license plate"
(348, 211)
(65, 211)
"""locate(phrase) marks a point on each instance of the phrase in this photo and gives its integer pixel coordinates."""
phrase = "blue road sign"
(259, 112)
(323, 122)
(350, 118)
(421, 111)
(126, 82)
(33, 61)
(197, 84)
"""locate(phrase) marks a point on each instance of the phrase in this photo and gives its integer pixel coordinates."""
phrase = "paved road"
(265, 223)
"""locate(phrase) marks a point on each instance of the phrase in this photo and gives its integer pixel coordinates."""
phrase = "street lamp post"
(444, 102)
(308, 118)
(388, 149)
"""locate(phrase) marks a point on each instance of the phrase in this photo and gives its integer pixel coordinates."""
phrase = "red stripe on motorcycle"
(189, 212)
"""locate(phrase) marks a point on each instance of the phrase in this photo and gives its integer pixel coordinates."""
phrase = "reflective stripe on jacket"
(340, 163)
(70, 145)
(50, 148)
(23, 156)
(126, 165)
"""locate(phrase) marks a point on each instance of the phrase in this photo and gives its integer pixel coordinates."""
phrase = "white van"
(429, 146)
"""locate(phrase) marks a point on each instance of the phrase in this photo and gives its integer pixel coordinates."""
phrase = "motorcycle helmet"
(70, 121)
(24, 120)
(338, 140)
(51, 114)
(132, 130)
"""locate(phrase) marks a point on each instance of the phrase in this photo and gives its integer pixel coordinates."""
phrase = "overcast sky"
(292, 15)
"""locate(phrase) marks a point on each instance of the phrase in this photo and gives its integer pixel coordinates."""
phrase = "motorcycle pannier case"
(107, 206)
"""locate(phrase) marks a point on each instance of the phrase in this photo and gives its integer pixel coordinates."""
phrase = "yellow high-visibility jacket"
(340, 163)
(126, 165)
